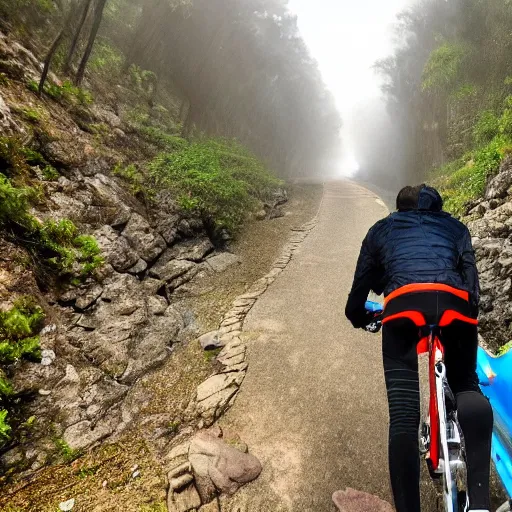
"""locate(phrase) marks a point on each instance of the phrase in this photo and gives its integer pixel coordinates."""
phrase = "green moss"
(32, 115)
(66, 453)
(50, 173)
(504, 349)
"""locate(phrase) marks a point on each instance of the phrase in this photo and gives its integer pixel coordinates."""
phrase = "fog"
(347, 38)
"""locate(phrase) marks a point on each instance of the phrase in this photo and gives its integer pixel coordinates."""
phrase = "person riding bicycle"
(420, 243)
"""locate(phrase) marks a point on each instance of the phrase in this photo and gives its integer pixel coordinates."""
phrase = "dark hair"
(408, 197)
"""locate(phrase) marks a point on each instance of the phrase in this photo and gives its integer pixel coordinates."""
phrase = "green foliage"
(13, 160)
(66, 453)
(57, 243)
(105, 59)
(486, 127)
(505, 122)
(31, 114)
(74, 253)
(4, 79)
(443, 67)
(87, 471)
(19, 326)
(50, 173)
(5, 429)
(217, 179)
(136, 179)
(142, 80)
(461, 185)
(64, 92)
(162, 139)
(504, 349)
(464, 92)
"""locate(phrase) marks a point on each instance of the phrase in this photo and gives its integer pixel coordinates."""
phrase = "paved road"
(313, 405)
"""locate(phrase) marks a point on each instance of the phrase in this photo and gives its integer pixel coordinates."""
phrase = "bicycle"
(440, 437)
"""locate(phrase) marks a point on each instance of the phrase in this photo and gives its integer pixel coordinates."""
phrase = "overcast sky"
(346, 37)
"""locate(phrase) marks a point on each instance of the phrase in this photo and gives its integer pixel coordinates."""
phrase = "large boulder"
(116, 249)
(226, 467)
(500, 184)
(146, 241)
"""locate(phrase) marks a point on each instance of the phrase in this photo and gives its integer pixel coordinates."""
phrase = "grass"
(465, 179)
(160, 506)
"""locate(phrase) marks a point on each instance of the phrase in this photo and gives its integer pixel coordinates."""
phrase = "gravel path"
(313, 405)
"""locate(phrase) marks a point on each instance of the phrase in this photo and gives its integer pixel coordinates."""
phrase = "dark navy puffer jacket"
(414, 246)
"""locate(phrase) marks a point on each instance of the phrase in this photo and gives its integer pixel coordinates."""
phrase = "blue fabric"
(425, 245)
(495, 375)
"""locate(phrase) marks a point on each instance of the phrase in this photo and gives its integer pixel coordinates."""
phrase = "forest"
(240, 68)
(448, 88)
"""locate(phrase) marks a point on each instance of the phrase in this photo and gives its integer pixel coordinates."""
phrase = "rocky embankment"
(490, 223)
(103, 335)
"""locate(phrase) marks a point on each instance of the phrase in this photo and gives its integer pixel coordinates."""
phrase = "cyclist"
(420, 243)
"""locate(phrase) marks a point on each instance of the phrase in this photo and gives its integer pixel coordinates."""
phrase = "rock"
(139, 267)
(147, 243)
(226, 467)
(194, 250)
(186, 500)
(221, 262)
(168, 227)
(260, 215)
(116, 249)
(211, 340)
(157, 305)
(498, 186)
(89, 296)
(356, 501)
(181, 481)
(47, 357)
(6, 120)
(168, 269)
(213, 506)
(179, 451)
(179, 470)
(68, 505)
(215, 384)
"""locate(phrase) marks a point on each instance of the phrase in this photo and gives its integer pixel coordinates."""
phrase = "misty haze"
(209, 209)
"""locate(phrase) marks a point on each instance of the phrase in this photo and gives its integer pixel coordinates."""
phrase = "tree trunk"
(58, 40)
(98, 15)
(49, 58)
(76, 37)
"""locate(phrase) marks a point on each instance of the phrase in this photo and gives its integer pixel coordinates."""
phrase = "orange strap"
(427, 287)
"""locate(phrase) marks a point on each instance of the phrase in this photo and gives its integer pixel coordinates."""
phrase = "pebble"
(68, 505)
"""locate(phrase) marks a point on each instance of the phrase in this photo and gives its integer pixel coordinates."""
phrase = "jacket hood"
(430, 200)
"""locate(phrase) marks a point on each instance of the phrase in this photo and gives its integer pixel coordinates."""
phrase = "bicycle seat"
(430, 306)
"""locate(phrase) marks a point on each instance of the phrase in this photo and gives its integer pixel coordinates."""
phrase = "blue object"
(373, 307)
(495, 375)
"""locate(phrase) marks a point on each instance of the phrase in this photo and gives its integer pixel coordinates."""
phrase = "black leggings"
(400, 340)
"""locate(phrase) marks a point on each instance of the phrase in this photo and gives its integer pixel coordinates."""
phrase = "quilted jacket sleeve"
(469, 271)
(366, 278)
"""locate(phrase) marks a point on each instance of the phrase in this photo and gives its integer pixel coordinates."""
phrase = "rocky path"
(312, 407)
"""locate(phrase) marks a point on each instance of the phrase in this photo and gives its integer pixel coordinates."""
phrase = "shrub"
(468, 181)
(19, 327)
(486, 127)
(50, 173)
(137, 181)
(217, 179)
